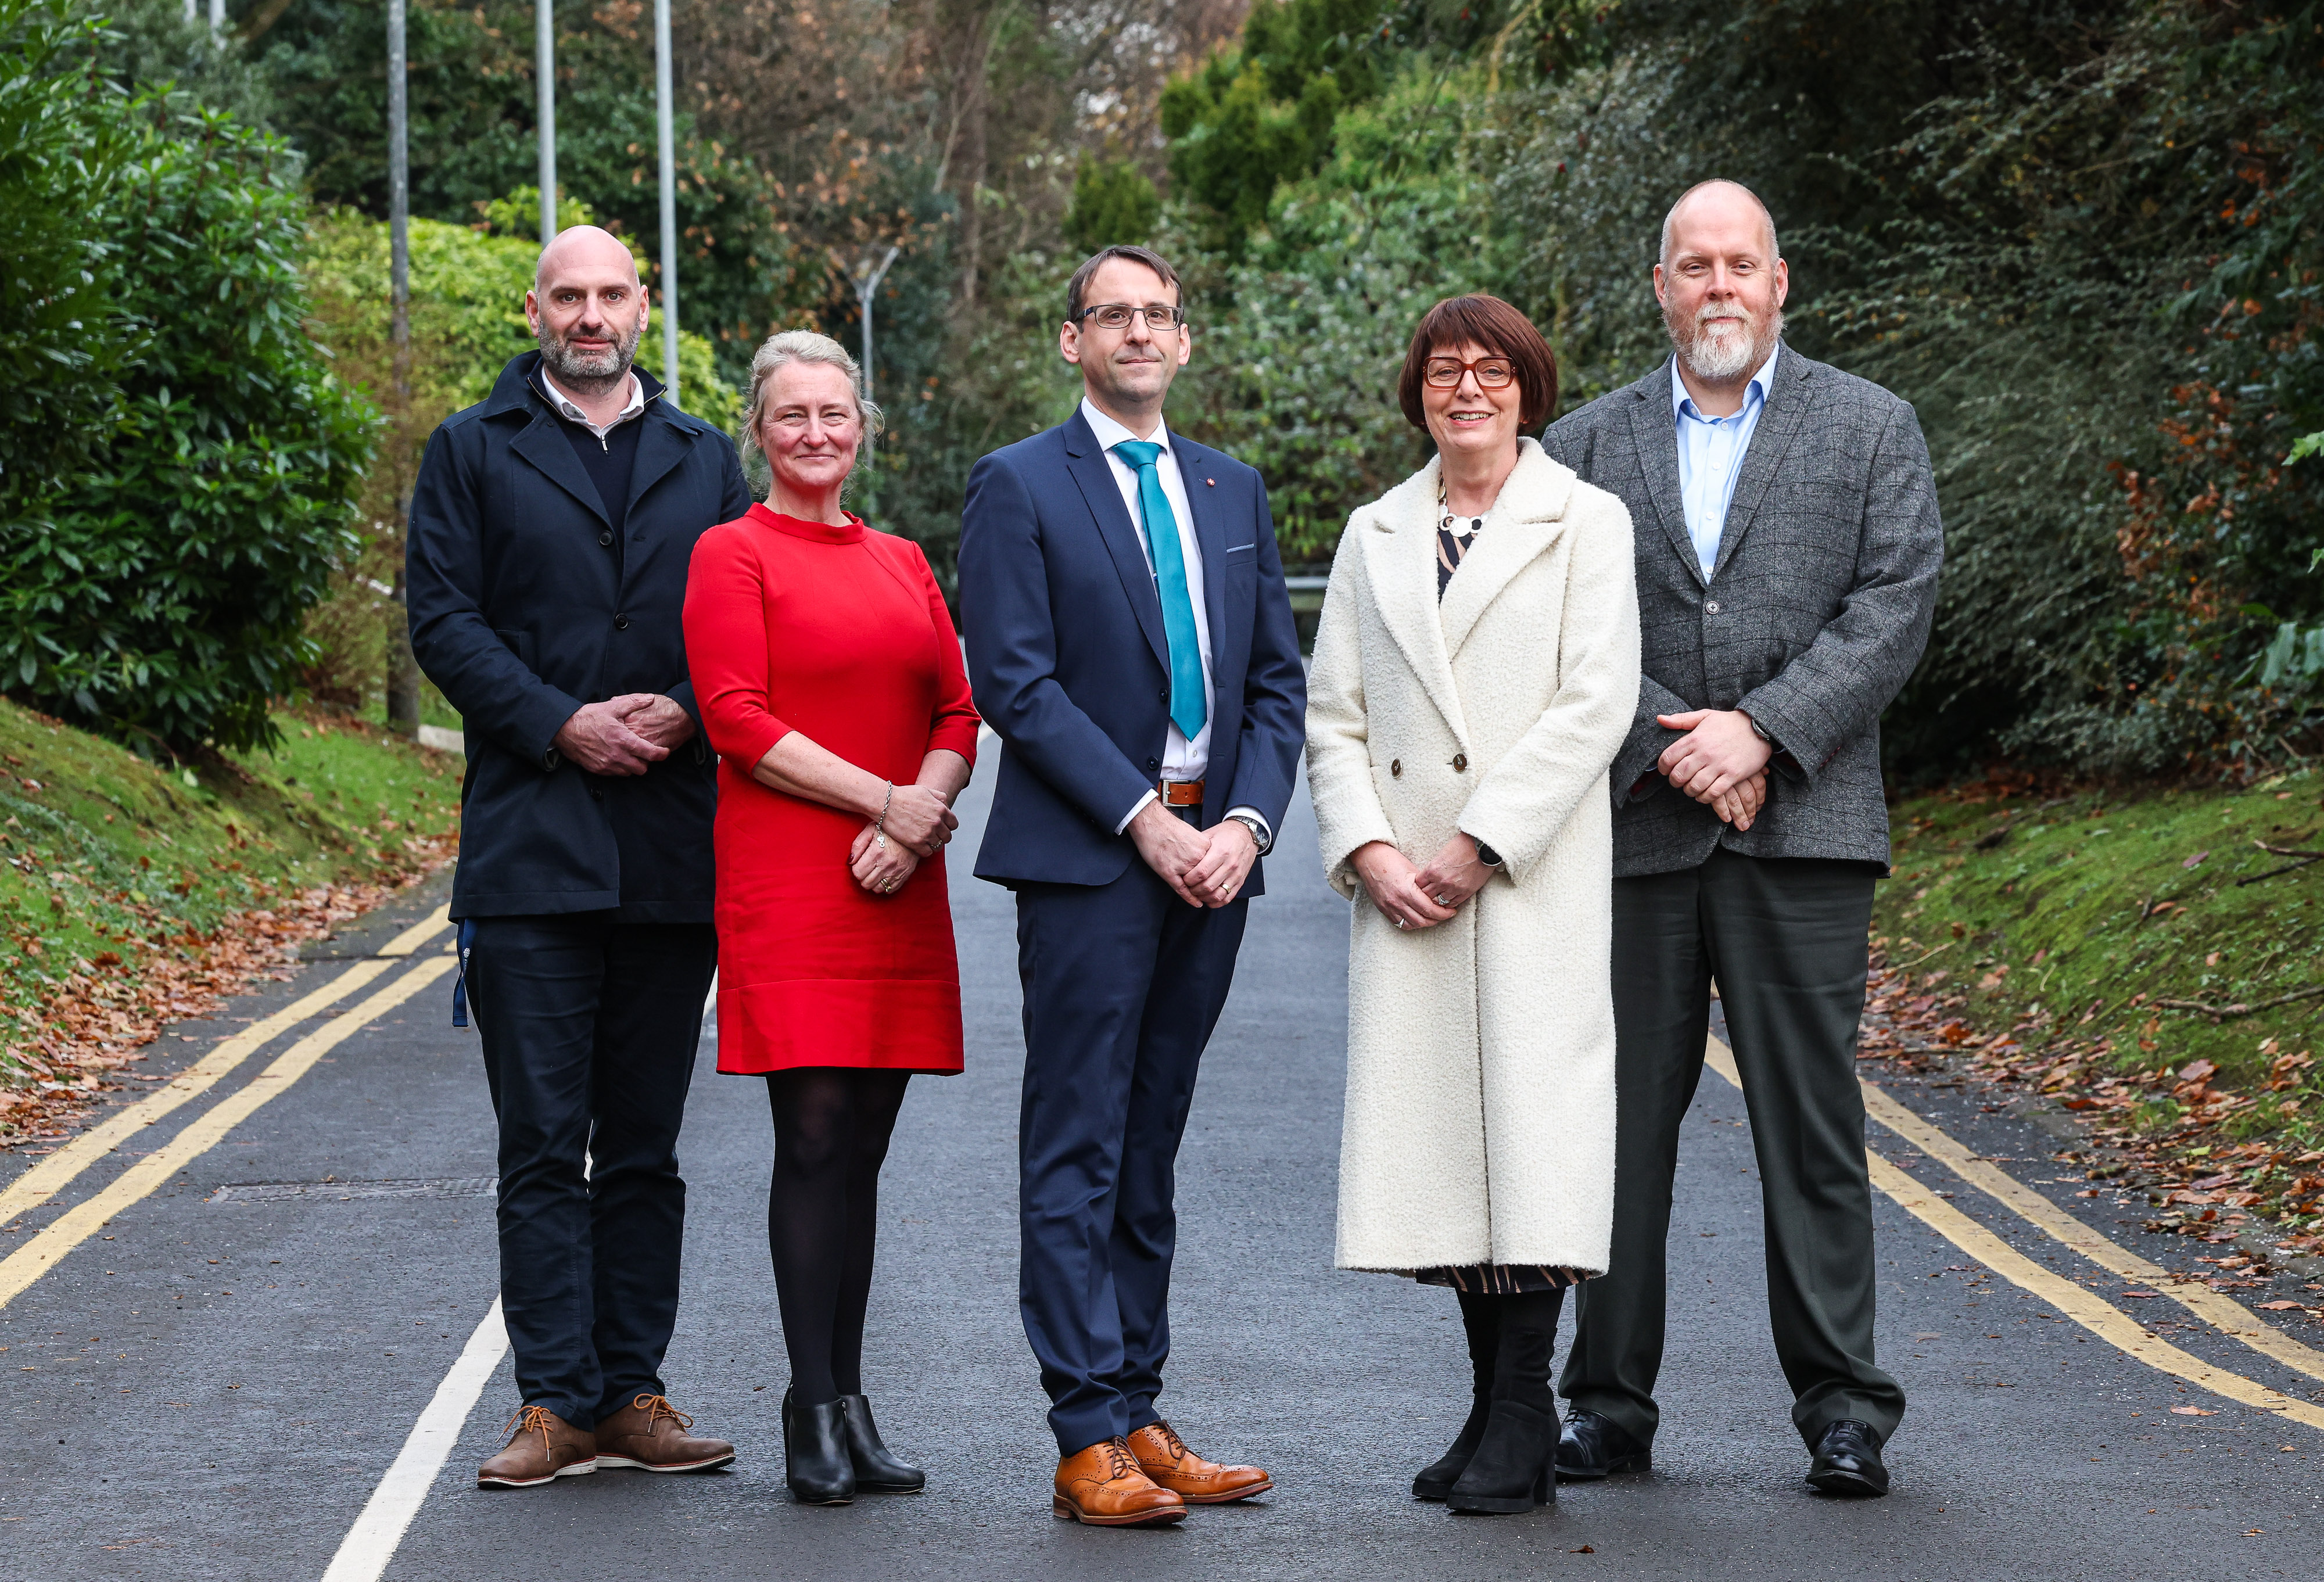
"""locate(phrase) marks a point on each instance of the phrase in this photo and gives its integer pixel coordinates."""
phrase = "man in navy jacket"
(1130, 640)
(552, 527)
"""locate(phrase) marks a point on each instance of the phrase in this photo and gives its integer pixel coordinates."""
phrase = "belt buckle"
(1182, 793)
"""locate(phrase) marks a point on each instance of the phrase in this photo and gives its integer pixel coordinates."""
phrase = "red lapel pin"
(1213, 483)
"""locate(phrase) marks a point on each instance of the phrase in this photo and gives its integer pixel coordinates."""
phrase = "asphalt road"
(212, 1385)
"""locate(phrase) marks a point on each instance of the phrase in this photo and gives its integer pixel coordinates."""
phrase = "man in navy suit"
(1130, 640)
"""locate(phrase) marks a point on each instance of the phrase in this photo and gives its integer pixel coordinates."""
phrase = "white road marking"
(372, 1541)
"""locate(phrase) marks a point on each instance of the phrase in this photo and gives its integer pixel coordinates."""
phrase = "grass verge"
(132, 894)
(2148, 959)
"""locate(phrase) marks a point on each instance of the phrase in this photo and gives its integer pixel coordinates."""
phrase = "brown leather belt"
(1181, 793)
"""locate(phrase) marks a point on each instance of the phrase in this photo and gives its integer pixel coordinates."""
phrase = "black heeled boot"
(815, 1463)
(1483, 1321)
(1511, 1470)
(877, 1472)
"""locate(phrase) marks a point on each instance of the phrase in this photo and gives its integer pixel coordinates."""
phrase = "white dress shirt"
(1182, 759)
(571, 413)
(1710, 452)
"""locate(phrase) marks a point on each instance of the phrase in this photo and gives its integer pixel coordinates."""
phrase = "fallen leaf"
(2278, 1307)
(2194, 1412)
(2196, 860)
(2147, 1293)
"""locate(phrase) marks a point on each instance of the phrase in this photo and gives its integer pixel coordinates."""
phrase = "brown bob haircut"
(1078, 287)
(1503, 332)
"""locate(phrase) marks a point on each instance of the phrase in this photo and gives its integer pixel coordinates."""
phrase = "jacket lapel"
(1656, 434)
(1212, 535)
(1527, 519)
(1400, 563)
(543, 443)
(662, 446)
(1788, 399)
(1094, 475)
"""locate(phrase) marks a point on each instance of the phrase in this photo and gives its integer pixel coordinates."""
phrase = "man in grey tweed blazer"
(1787, 553)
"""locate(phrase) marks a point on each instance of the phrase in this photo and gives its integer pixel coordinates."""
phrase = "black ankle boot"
(1483, 1321)
(1510, 1471)
(877, 1472)
(815, 1463)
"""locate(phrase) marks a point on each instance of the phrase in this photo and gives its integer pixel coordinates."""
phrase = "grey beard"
(596, 373)
(1706, 357)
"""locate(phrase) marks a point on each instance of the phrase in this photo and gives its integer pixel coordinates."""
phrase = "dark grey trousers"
(1786, 939)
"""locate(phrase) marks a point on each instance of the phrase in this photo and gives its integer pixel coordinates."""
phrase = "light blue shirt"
(1710, 452)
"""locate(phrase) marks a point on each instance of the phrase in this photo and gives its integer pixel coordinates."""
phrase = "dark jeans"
(1786, 939)
(1123, 983)
(589, 1027)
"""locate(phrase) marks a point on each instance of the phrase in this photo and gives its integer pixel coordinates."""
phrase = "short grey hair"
(797, 346)
(1774, 248)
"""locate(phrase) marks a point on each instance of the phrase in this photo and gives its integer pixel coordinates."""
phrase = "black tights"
(831, 1134)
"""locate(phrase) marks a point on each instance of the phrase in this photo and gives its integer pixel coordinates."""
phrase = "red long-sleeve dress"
(841, 634)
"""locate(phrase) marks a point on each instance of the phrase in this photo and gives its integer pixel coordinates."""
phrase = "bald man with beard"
(1787, 548)
(551, 528)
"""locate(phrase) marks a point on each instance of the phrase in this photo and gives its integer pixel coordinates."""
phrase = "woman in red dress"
(831, 686)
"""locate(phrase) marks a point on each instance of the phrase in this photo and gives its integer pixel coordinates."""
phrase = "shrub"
(159, 592)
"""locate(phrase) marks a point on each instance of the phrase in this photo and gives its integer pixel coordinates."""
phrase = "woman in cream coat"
(1476, 670)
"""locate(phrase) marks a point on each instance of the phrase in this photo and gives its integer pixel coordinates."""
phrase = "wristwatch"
(1486, 854)
(1257, 830)
(1759, 731)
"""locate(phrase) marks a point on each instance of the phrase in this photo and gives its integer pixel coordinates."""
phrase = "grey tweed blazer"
(1810, 622)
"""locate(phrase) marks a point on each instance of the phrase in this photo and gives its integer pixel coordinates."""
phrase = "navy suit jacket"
(523, 609)
(1070, 667)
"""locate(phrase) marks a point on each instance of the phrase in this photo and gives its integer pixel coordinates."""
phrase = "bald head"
(588, 311)
(585, 250)
(1720, 207)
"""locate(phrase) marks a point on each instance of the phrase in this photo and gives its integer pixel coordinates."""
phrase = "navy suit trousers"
(1123, 983)
(589, 1027)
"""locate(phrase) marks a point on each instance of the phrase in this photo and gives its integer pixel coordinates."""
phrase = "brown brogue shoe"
(651, 1435)
(1103, 1486)
(542, 1448)
(1163, 1458)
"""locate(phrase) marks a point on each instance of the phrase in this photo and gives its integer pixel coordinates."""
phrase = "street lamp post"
(667, 138)
(402, 669)
(867, 288)
(544, 67)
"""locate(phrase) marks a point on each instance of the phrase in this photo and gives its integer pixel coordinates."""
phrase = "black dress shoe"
(1592, 1447)
(1847, 1461)
(877, 1472)
(816, 1462)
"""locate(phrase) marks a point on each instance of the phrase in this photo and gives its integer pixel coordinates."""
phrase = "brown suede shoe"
(650, 1434)
(542, 1448)
(1103, 1486)
(1163, 1456)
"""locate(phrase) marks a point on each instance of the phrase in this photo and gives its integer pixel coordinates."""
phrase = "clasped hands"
(625, 735)
(1205, 868)
(1411, 896)
(1720, 761)
(920, 821)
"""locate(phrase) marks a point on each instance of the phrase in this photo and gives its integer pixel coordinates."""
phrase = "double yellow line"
(38, 1184)
(2084, 1306)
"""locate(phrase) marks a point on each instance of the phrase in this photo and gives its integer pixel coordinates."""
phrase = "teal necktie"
(1187, 711)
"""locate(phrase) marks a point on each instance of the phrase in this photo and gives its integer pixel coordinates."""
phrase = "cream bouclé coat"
(1479, 1120)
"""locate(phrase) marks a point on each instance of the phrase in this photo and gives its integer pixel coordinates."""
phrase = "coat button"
(1153, 763)
(1460, 763)
(596, 795)
(621, 624)
(607, 537)
(1394, 767)
(1164, 695)
(1710, 606)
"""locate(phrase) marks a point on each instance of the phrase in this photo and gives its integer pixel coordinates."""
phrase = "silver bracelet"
(880, 824)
